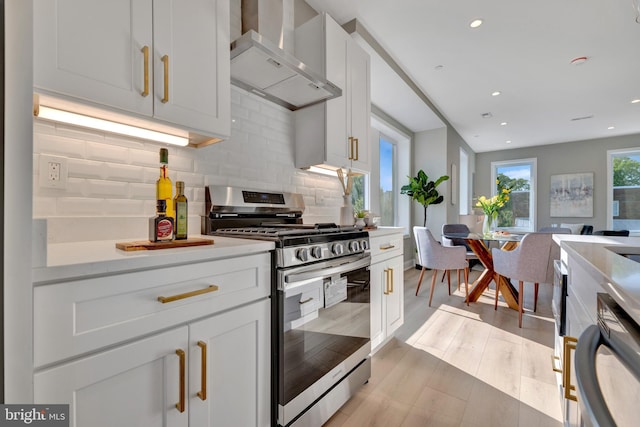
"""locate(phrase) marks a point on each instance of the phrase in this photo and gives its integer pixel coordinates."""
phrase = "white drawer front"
(385, 247)
(75, 317)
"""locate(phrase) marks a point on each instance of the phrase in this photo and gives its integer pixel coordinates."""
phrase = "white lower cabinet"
(233, 351)
(183, 345)
(137, 384)
(387, 287)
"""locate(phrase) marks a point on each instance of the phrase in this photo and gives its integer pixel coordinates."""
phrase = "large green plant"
(424, 191)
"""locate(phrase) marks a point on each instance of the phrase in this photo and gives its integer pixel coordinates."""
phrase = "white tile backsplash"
(112, 179)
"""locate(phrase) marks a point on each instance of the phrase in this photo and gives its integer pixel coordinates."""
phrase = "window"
(623, 189)
(520, 175)
(358, 193)
(394, 168)
(387, 181)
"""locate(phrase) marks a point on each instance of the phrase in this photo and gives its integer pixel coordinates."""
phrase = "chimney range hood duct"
(260, 66)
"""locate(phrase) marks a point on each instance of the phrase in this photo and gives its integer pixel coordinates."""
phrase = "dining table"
(481, 245)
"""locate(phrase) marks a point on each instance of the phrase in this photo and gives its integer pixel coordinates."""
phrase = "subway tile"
(103, 188)
(107, 152)
(79, 206)
(124, 207)
(142, 191)
(58, 145)
(126, 173)
(79, 168)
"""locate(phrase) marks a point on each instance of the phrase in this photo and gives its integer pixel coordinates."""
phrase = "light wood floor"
(453, 365)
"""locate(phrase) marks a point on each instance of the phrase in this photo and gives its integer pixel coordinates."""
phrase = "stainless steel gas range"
(320, 300)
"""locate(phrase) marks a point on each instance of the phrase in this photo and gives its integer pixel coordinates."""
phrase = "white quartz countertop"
(81, 259)
(386, 231)
(618, 275)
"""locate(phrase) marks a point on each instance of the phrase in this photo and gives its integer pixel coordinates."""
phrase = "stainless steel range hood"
(259, 65)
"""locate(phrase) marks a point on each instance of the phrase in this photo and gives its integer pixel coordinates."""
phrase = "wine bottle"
(182, 212)
(164, 189)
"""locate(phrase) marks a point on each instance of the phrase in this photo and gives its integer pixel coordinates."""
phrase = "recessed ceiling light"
(438, 67)
(496, 93)
(611, 127)
(487, 115)
(508, 141)
(579, 60)
(635, 101)
(503, 124)
(475, 23)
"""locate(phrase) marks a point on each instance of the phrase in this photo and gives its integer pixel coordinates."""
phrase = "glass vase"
(489, 223)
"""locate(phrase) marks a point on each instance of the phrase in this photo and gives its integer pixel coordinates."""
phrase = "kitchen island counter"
(617, 275)
(94, 258)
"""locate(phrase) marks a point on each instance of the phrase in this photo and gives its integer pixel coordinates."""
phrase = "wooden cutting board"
(145, 245)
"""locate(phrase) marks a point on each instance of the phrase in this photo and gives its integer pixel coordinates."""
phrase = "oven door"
(323, 334)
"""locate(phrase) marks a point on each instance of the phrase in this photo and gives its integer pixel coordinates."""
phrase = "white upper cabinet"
(334, 133)
(164, 59)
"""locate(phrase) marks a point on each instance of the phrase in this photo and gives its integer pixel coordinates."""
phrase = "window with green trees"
(623, 190)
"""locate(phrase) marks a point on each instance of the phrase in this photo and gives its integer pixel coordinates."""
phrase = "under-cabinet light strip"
(54, 114)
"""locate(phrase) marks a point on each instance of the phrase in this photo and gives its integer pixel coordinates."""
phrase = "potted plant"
(360, 215)
(424, 191)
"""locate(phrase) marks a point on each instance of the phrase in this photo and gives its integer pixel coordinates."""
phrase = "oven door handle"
(327, 271)
(591, 400)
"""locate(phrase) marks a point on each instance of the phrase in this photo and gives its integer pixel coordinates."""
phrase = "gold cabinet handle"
(165, 61)
(210, 288)
(569, 345)
(181, 356)
(202, 394)
(391, 279)
(350, 148)
(145, 53)
(357, 156)
(387, 247)
(386, 282)
(555, 359)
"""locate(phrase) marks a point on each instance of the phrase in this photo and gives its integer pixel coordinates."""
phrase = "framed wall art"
(571, 195)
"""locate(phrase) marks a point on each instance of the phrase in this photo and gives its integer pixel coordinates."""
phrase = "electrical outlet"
(53, 172)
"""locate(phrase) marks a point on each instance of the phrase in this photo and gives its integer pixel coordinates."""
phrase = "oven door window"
(323, 322)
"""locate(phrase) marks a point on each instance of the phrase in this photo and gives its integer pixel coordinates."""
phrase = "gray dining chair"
(472, 258)
(529, 262)
(433, 255)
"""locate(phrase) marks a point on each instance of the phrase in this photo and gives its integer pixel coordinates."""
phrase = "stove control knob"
(354, 246)
(364, 244)
(316, 252)
(302, 254)
(337, 249)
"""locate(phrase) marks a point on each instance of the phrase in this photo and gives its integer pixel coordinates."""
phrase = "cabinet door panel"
(238, 368)
(337, 109)
(133, 385)
(395, 299)
(194, 35)
(92, 50)
(359, 86)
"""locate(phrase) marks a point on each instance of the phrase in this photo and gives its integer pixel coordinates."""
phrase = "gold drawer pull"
(569, 345)
(145, 53)
(350, 148)
(202, 394)
(181, 355)
(387, 247)
(391, 279)
(306, 301)
(210, 288)
(555, 359)
(165, 61)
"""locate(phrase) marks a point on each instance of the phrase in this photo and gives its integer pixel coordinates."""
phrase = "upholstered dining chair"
(529, 262)
(433, 255)
(472, 258)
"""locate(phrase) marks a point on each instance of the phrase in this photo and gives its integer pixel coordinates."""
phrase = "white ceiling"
(523, 49)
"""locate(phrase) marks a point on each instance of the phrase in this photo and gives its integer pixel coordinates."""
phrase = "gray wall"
(569, 157)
